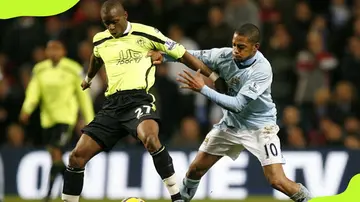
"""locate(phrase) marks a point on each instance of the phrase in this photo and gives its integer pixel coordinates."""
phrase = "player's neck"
(247, 62)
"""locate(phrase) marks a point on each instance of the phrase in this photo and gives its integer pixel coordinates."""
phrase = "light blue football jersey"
(248, 103)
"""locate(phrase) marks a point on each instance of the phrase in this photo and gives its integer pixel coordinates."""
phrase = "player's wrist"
(87, 79)
(213, 76)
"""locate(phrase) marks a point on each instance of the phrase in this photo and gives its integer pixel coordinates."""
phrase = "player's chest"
(55, 78)
(235, 78)
(122, 52)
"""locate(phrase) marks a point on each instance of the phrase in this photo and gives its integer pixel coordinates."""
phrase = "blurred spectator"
(168, 102)
(15, 136)
(319, 25)
(269, 16)
(352, 126)
(97, 84)
(216, 34)
(339, 14)
(18, 35)
(320, 108)
(189, 135)
(313, 65)
(281, 56)
(350, 67)
(191, 15)
(290, 119)
(296, 138)
(352, 142)
(334, 136)
(344, 104)
(301, 24)
(239, 12)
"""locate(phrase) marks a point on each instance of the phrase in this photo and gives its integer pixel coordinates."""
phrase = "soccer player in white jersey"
(249, 120)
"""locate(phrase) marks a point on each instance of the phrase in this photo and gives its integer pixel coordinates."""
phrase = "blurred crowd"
(313, 46)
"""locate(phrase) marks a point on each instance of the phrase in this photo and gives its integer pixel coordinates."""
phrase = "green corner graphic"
(38, 8)
(351, 194)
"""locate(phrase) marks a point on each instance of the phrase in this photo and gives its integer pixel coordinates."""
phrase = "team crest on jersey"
(129, 56)
(254, 87)
(141, 42)
(234, 80)
(170, 44)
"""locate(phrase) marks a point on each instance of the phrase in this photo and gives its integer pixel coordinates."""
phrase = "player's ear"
(257, 46)
(126, 15)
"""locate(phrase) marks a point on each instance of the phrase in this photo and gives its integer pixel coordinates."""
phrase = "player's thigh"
(56, 139)
(274, 172)
(222, 142)
(105, 130)
(264, 144)
(143, 123)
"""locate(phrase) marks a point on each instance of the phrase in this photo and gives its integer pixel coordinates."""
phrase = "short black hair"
(110, 4)
(251, 31)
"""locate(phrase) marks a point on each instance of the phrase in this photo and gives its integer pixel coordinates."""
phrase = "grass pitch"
(250, 199)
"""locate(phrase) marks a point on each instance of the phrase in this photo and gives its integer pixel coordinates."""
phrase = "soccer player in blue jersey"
(249, 120)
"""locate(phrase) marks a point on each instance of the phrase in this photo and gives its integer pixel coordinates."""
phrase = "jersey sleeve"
(258, 82)
(32, 94)
(95, 49)
(210, 57)
(162, 43)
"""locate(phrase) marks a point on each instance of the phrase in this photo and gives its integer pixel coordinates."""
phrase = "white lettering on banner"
(150, 180)
(201, 192)
(27, 176)
(94, 177)
(181, 164)
(223, 175)
(118, 173)
(106, 175)
(320, 180)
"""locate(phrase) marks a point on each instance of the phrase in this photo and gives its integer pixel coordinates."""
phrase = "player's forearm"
(86, 107)
(233, 104)
(94, 66)
(194, 63)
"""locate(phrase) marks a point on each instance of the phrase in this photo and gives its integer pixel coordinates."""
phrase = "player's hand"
(156, 57)
(85, 85)
(194, 82)
(221, 86)
(24, 118)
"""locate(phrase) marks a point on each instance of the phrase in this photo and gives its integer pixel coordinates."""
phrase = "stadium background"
(314, 48)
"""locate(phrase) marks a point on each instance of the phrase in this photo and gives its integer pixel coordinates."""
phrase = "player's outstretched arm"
(94, 66)
(195, 60)
(32, 98)
(196, 83)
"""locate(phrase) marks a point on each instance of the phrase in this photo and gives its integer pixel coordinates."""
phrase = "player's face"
(55, 51)
(115, 21)
(243, 49)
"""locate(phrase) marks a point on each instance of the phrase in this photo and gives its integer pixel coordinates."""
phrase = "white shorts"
(264, 143)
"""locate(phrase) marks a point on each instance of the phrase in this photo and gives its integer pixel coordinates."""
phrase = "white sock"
(171, 185)
(191, 183)
(70, 198)
(302, 196)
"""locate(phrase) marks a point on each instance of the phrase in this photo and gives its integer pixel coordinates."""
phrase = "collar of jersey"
(127, 30)
(247, 63)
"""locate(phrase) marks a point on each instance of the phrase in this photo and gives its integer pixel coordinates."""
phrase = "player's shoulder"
(41, 66)
(262, 66)
(138, 27)
(71, 65)
(262, 62)
(100, 37)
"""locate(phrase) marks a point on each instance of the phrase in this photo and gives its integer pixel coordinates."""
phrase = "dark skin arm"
(194, 64)
(94, 67)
